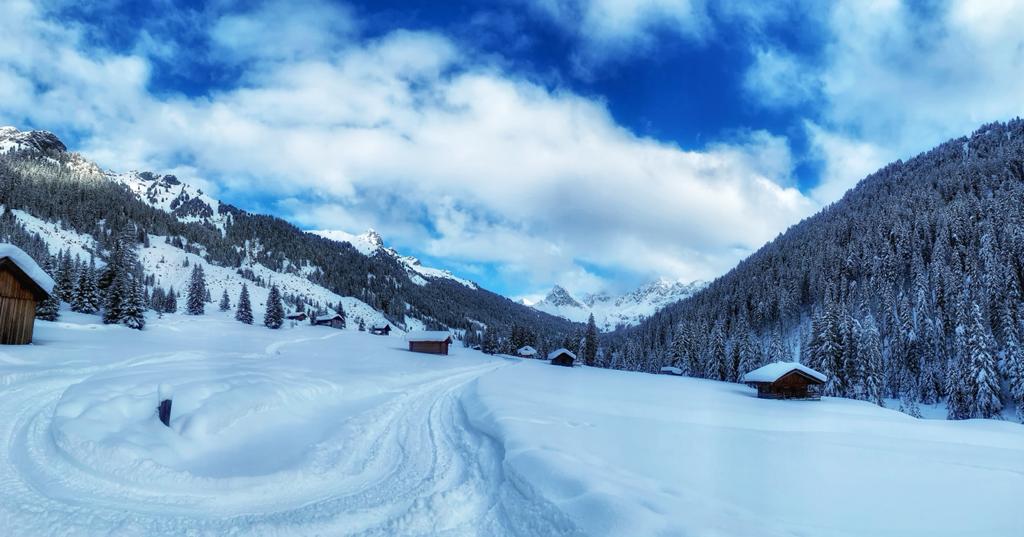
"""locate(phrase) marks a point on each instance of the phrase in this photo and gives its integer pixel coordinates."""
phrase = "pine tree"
(274, 316)
(171, 301)
(133, 311)
(86, 298)
(1014, 364)
(196, 304)
(48, 309)
(65, 280)
(113, 307)
(590, 343)
(362, 325)
(341, 313)
(243, 312)
(983, 367)
(870, 352)
(719, 359)
(225, 302)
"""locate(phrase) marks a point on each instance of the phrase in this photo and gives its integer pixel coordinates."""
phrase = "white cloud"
(895, 79)
(448, 159)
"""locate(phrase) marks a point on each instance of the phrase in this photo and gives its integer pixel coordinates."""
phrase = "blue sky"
(592, 143)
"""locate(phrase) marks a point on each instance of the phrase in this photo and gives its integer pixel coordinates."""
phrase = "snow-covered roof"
(428, 335)
(672, 369)
(563, 350)
(775, 371)
(526, 350)
(328, 317)
(27, 265)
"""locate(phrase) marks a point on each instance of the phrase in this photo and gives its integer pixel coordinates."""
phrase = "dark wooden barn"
(381, 330)
(430, 342)
(562, 357)
(786, 380)
(22, 285)
(334, 321)
(300, 316)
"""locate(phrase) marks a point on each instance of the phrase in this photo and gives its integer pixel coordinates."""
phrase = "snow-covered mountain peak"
(371, 242)
(611, 311)
(13, 139)
(170, 194)
(560, 298)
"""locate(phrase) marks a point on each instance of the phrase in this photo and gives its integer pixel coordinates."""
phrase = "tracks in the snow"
(410, 465)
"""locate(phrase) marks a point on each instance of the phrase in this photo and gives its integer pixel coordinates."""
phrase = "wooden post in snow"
(165, 393)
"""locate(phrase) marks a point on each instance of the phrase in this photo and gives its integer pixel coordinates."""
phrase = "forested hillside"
(909, 287)
(47, 182)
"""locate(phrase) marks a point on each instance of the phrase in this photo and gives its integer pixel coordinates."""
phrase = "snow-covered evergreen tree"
(133, 309)
(86, 298)
(48, 309)
(274, 316)
(340, 309)
(65, 278)
(986, 402)
(870, 352)
(225, 302)
(171, 301)
(590, 343)
(196, 303)
(243, 312)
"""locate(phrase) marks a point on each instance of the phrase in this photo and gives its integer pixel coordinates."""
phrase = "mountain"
(54, 200)
(611, 312)
(909, 287)
(371, 242)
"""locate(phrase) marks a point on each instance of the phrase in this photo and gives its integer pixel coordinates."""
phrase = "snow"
(562, 350)
(28, 266)
(428, 335)
(58, 238)
(314, 431)
(776, 370)
(636, 454)
(526, 350)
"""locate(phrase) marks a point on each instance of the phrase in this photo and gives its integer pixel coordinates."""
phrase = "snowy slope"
(371, 242)
(636, 454)
(168, 264)
(314, 431)
(612, 311)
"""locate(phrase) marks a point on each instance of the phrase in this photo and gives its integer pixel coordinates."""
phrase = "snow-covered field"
(314, 431)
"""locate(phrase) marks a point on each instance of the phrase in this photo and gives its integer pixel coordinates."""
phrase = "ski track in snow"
(418, 468)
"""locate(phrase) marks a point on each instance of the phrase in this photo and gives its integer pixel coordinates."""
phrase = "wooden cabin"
(381, 330)
(430, 342)
(526, 351)
(563, 357)
(23, 284)
(334, 321)
(786, 380)
(671, 370)
(299, 316)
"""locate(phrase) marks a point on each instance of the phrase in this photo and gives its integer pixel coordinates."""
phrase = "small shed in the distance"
(786, 380)
(671, 370)
(526, 351)
(429, 341)
(563, 357)
(334, 321)
(22, 285)
(384, 330)
(298, 316)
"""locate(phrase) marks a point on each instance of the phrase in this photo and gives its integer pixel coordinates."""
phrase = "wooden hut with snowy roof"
(332, 320)
(381, 330)
(23, 284)
(786, 380)
(429, 341)
(563, 357)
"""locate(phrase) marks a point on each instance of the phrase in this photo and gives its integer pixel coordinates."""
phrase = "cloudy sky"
(520, 143)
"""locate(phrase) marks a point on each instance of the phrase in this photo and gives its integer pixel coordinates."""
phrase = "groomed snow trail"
(404, 462)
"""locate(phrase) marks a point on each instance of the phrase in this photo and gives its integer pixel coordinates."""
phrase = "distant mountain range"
(613, 311)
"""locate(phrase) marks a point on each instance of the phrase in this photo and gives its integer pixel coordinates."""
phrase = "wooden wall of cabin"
(17, 311)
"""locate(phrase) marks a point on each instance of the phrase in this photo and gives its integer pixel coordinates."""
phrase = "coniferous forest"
(909, 287)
